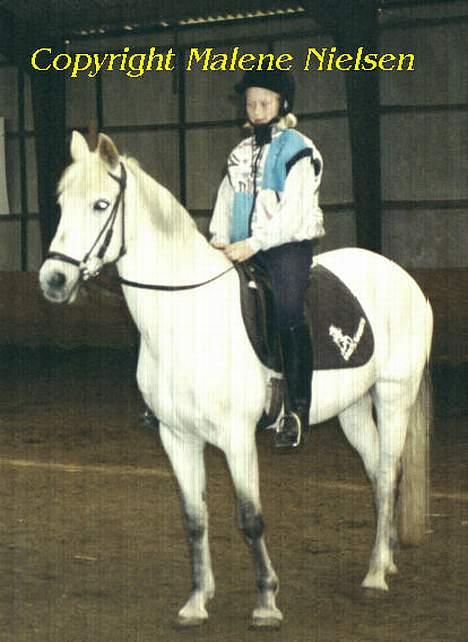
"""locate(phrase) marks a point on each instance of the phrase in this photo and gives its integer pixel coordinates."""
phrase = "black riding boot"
(297, 369)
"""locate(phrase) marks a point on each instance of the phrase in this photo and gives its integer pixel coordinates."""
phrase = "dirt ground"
(92, 547)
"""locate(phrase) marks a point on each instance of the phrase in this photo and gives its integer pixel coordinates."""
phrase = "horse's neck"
(164, 248)
(156, 257)
(164, 245)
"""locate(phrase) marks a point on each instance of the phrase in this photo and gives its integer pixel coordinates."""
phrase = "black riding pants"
(288, 266)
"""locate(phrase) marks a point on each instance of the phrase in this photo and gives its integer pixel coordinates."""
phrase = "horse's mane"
(161, 203)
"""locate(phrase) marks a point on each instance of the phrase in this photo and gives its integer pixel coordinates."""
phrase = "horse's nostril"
(56, 280)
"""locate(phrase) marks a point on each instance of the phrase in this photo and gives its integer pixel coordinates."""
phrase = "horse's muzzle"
(59, 282)
(56, 280)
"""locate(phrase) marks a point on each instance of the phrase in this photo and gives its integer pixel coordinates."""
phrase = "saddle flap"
(258, 311)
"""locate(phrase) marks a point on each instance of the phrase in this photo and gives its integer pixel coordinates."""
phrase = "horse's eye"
(101, 205)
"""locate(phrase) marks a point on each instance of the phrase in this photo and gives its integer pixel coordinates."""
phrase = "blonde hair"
(289, 121)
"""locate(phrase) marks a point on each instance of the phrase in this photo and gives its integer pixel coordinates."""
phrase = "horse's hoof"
(392, 569)
(189, 622)
(263, 618)
(375, 582)
(266, 623)
(372, 594)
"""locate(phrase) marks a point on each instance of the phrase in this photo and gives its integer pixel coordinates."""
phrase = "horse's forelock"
(66, 178)
(77, 171)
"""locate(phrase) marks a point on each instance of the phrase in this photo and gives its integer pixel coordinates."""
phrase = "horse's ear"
(79, 147)
(107, 151)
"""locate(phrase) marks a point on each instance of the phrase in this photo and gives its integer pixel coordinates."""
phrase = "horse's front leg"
(186, 456)
(243, 464)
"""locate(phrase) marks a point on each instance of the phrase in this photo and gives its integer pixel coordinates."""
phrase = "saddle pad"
(342, 336)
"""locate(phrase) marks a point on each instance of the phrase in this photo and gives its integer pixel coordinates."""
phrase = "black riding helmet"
(280, 82)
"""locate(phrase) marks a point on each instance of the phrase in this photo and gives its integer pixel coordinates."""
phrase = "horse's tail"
(414, 489)
(413, 504)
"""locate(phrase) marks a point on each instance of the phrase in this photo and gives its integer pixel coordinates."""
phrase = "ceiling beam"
(62, 19)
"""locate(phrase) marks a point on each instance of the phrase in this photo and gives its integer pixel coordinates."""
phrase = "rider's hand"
(218, 245)
(240, 251)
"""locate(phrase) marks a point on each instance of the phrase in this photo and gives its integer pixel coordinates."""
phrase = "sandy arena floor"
(92, 547)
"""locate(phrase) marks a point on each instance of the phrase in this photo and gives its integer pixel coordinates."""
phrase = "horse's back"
(361, 269)
(375, 280)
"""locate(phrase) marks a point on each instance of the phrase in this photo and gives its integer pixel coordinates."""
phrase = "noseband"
(91, 266)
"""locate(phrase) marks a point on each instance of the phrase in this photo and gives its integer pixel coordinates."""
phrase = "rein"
(91, 266)
(171, 288)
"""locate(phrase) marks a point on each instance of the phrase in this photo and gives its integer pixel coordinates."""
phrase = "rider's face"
(262, 105)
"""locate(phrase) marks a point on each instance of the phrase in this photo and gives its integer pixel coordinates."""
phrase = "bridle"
(91, 266)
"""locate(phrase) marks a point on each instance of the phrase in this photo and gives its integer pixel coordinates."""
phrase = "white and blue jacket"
(270, 194)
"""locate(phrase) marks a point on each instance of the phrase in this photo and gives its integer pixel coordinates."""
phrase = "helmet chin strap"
(262, 133)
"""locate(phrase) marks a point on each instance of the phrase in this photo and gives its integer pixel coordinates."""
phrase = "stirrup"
(149, 420)
(292, 436)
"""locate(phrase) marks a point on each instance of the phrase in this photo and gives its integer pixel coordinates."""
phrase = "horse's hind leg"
(186, 457)
(359, 427)
(243, 464)
(392, 417)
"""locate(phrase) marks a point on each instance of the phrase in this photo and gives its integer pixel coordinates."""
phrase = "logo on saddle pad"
(346, 344)
(342, 334)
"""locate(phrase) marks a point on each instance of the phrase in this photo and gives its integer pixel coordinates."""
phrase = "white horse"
(200, 375)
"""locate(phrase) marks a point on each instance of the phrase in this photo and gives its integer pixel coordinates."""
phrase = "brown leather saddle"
(258, 312)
